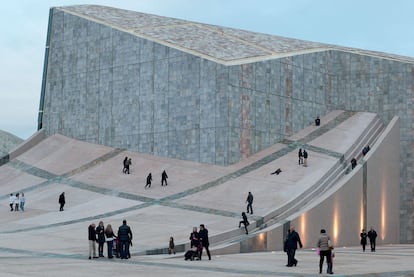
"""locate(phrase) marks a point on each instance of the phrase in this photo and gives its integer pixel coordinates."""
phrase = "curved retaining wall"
(367, 196)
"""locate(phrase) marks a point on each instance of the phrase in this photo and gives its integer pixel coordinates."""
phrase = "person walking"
(203, 233)
(245, 222)
(249, 202)
(372, 235)
(92, 241)
(325, 250)
(110, 236)
(11, 201)
(363, 236)
(22, 201)
(100, 232)
(292, 242)
(62, 201)
(125, 239)
(164, 177)
(149, 179)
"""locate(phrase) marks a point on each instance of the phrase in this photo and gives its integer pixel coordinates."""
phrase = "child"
(171, 246)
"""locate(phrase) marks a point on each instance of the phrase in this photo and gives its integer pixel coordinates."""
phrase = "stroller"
(115, 249)
(194, 253)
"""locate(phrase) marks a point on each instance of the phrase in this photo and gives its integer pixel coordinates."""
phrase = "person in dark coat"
(372, 235)
(100, 232)
(125, 162)
(292, 242)
(305, 158)
(300, 156)
(195, 241)
(164, 177)
(363, 236)
(317, 121)
(92, 241)
(245, 222)
(62, 201)
(277, 172)
(353, 163)
(125, 239)
(203, 233)
(249, 202)
(149, 179)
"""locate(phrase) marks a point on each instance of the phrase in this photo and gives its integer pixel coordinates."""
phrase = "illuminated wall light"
(361, 216)
(383, 212)
(335, 223)
(303, 228)
(262, 237)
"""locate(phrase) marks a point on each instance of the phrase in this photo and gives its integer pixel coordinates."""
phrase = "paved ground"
(390, 260)
(45, 242)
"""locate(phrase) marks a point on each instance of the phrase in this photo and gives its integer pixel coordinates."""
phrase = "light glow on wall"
(383, 212)
(303, 232)
(335, 222)
(361, 216)
(261, 237)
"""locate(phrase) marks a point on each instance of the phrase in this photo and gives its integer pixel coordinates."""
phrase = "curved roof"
(220, 44)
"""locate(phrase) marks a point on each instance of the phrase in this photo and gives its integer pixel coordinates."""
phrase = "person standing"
(100, 232)
(249, 202)
(11, 201)
(22, 201)
(305, 158)
(372, 235)
(128, 164)
(16, 202)
(325, 250)
(125, 238)
(62, 201)
(92, 241)
(149, 179)
(363, 236)
(245, 222)
(203, 233)
(300, 156)
(164, 177)
(109, 233)
(125, 163)
(292, 242)
(171, 246)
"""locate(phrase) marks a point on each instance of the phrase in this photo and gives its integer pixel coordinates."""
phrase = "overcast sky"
(379, 25)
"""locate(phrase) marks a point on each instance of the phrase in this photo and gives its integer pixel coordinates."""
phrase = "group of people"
(198, 241)
(303, 157)
(126, 169)
(17, 202)
(371, 235)
(118, 244)
(164, 178)
(324, 248)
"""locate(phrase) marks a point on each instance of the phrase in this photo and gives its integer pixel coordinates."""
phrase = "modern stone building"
(207, 93)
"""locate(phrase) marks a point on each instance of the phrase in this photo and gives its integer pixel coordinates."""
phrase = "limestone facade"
(109, 86)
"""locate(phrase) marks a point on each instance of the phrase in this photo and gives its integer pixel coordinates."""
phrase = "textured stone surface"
(176, 88)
